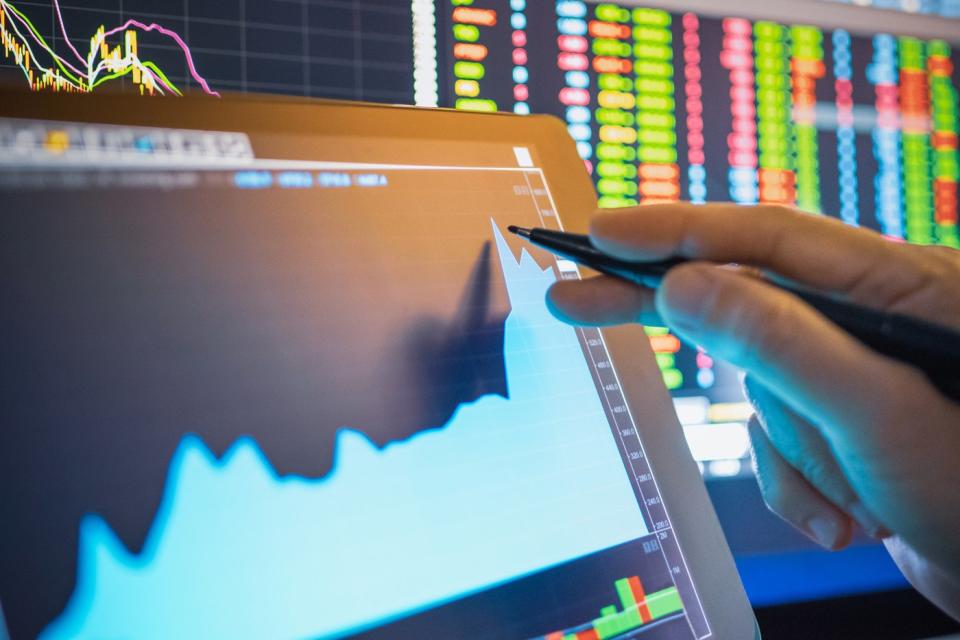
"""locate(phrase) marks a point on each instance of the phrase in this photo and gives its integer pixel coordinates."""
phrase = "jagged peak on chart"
(508, 487)
(114, 54)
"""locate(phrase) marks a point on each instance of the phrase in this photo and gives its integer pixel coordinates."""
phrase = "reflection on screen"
(296, 414)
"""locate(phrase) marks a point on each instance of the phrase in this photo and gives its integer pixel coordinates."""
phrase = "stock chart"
(211, 499)
(663, 106)
(328, 48)
(102, 63)
(307, 448)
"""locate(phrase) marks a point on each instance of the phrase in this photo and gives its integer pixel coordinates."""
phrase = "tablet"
(274, 369)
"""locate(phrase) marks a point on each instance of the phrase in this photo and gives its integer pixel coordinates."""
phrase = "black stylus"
(932, 348)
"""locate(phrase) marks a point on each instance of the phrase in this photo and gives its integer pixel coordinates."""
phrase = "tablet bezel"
(691, 513)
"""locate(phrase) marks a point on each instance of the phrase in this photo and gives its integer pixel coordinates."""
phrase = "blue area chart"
(508, 487)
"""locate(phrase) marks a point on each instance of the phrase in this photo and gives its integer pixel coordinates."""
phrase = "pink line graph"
(63, 28)
(176, 38)
(89, 74)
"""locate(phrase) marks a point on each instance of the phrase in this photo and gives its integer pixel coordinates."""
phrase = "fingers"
(776, 238)
(936, 294)
(601, 301)
(792, 498)
(606, 301)
(815, 367)
(803, 448)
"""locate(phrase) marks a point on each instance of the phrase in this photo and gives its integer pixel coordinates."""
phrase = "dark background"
(271, 315)
(363, 51)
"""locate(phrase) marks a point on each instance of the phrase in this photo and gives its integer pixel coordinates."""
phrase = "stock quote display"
(668, 106)
(663, 106)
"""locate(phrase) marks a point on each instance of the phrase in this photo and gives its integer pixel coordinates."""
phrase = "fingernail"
(826, 531)
(869, 522)
(684, 295)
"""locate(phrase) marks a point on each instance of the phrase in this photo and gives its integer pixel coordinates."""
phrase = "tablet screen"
(282, 387)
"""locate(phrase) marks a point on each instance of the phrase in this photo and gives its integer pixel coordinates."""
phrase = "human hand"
(843, 436)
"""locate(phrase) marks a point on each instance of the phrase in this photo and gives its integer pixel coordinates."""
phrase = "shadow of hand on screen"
(456, 361)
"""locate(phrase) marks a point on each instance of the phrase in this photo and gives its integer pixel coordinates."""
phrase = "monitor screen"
(358, 416)
(841, 119)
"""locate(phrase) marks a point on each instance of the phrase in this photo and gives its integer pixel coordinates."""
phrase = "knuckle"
(931, 266)
(771, 326)
(937, 268)
(946, 258)
(719, 302)
(820, 474)
(762, 329)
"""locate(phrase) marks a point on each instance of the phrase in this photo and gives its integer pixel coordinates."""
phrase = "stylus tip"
(520, 231)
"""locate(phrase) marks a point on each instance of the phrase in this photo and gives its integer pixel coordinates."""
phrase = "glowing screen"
(664, 106)
(667, 106)
(324, 48)
(347, 425)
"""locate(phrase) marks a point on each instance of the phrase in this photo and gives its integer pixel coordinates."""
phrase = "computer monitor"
(838, 109)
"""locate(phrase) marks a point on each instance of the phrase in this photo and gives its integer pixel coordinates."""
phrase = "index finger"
(821, 252)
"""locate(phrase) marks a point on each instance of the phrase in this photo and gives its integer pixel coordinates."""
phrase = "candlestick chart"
(639, 609)
(113, 54)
